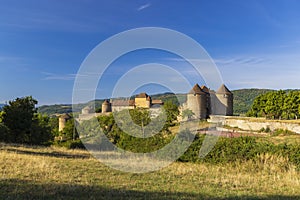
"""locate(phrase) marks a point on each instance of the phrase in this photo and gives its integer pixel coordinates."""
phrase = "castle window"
(225, 96)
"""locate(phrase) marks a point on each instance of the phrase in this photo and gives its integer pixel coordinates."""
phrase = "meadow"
(31, 172)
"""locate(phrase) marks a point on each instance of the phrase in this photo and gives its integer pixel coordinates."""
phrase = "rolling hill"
(243, 99)
(242, 102)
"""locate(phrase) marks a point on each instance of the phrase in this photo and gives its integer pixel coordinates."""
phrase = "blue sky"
(255, 44)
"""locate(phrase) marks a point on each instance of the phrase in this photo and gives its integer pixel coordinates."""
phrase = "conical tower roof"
(196, 90)
(65, 116)
(142, 95)
(223, 90)
(106, 102)
(204, 89)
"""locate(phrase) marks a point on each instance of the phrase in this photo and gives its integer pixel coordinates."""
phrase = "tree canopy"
(23, 124)
(276, 105)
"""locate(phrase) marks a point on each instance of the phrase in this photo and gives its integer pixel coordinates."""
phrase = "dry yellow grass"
(53, 173)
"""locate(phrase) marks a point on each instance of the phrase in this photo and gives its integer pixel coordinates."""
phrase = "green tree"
(53, 123)
(276, 105)
(70, 131)
(1, 116)
(291, 104)
(171, 111)
(4, 133)
(24, 125)
(40, 132)
(187, 114)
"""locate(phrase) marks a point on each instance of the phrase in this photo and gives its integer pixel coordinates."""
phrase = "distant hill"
(1, 105)
(243, 99)
(67, 108)
(242, 102)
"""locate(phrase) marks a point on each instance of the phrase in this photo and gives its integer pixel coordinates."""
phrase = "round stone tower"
(86, 110)
(62, 121)
(106, 106)
(197, 102)
(148, 101)
(208, 105)
(225, 98)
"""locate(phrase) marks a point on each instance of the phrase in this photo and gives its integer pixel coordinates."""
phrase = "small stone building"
(121, 104)
(143, 100)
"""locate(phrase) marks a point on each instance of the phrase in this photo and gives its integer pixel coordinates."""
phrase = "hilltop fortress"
(200, 100)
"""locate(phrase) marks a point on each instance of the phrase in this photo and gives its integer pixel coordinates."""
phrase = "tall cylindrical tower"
(62, 121)
(106, 106)
(197, 102)
(225, 98)
(208, 101)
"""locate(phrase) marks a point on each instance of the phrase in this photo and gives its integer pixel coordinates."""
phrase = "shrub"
(282, 132)
(4, 133)
(240, 149)
(70, 144)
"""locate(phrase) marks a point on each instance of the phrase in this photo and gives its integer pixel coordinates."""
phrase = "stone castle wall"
(256, 124)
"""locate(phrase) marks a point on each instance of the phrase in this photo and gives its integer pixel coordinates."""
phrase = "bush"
(71, 144)
(240, 149)
(4, 133)
(282, 132)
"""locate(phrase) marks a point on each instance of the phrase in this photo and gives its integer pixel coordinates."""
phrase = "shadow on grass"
(49, 154)
(21, 189)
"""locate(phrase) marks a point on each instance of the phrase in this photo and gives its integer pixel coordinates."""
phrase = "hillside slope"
(242, 102)
(243, 99)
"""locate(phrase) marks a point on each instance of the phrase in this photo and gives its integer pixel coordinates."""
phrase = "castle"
(204, 102)
(142, 100)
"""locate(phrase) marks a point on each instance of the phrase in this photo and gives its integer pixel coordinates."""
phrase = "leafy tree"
(276, 105)
(70, 131)
(53, 123)
(244, 98)
(1, 116)
(24, 125)
(187, 114)
(4, 133)
(106, 122)
(40, 131)
(171, 111)
(291, 105)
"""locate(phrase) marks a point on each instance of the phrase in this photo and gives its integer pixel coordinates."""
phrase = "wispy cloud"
(142, 7)
(61, 77)
(67, 77)
(241, 61)
(226, 61)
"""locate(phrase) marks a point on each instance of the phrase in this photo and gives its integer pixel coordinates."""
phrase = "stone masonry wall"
(253, 124)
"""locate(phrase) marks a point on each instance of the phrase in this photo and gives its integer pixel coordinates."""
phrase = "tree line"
(21, 123)
(276, 105)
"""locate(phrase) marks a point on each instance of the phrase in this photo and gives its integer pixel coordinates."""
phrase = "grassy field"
(54, 173)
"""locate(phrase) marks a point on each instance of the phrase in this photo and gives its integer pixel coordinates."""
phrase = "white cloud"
(143, 7)
(274, 71)
(62, 77)
(241, 60)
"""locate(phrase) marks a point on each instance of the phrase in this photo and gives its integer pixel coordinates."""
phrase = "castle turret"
(224, 101)
(86, 110)
(106, 106)
(208, 103)
(197, 102)
(62, 121)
